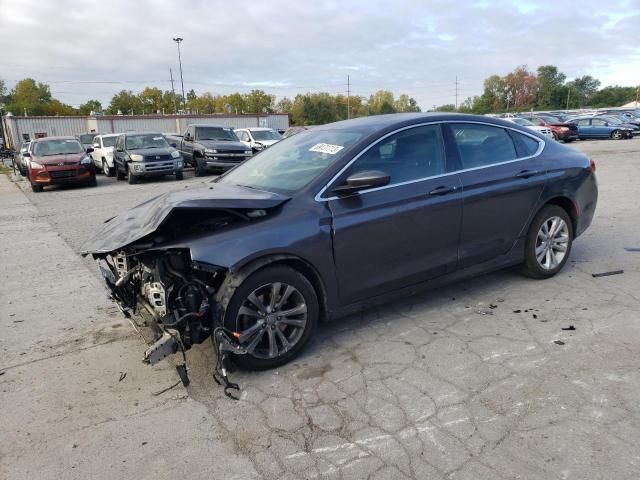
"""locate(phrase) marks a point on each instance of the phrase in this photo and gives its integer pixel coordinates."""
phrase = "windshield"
(289, 165)
(216, 133)
(87, 138)
(522, 121)
(57, 147)
(109, 141)
(266, 135)
(148, 140)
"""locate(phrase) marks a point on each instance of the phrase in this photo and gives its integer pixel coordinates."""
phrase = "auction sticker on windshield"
(326, 148)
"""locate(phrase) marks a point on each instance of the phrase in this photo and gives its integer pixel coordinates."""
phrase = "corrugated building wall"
(36, 127)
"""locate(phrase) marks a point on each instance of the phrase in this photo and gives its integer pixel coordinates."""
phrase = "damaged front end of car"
(145, 258)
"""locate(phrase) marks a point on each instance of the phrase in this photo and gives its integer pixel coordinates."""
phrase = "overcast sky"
(87, 49)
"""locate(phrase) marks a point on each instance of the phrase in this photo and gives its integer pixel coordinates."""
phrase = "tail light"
(592, 165)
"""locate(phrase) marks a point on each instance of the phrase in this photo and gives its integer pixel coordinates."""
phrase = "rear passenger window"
(482, 145)
(526, 145)
(412, 154)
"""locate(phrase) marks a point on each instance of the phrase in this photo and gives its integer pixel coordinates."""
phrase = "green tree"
(582, 91)
(614, 96)
(30, 96)
(494, 96)
(284, 105)
(551, 90)
(381, 102)
(90, 106)
(257, 101)
(151, 99)
(204, 104)
(449, 107)
(234, 103)
(404, 103)
(125, 103)
(171, 102)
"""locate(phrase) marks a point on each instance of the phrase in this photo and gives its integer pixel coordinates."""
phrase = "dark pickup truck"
(210, 148)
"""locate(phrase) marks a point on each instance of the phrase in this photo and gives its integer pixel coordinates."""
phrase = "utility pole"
(637, 96)
(175, 102)
(456, 92)
(184, 101)
(348, 93)
(568, 97)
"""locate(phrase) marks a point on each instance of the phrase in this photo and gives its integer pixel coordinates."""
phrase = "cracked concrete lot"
(474, 381)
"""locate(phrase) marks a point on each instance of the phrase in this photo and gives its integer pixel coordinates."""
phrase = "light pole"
(184, 102)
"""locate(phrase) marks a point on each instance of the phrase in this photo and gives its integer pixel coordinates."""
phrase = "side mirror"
(119, 150)
(23, 150)
(174, 145)
(26, 155)
(362, 181)
(89, 150)
(96, 145)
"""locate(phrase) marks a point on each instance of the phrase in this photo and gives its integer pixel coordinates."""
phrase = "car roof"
(207, 125)
(108, 135)
(141, 133)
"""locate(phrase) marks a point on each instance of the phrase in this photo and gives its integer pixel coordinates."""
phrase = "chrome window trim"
(541, 145)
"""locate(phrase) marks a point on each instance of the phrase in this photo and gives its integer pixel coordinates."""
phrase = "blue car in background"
(601, 127)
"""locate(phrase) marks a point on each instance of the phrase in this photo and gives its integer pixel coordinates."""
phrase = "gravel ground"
(475, 381)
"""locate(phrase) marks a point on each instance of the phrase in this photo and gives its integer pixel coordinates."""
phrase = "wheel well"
(295, 263)
(568, 206)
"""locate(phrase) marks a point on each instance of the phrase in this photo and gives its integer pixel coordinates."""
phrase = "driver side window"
(412, 154)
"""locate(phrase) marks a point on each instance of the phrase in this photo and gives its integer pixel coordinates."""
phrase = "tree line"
(35, 98)
(545, 89)
(520, 90)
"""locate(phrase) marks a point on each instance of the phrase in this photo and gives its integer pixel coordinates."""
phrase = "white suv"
(258, 138)
(102, 154)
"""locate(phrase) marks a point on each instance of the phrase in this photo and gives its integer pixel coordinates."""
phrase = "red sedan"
(561, 131)
(59, 161)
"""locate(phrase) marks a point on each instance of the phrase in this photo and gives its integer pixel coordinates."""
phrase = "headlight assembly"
(175, 154)
(85, 161)
(135, 157)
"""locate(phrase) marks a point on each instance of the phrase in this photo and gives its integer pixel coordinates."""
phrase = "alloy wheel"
(552, 243)
(271, 320)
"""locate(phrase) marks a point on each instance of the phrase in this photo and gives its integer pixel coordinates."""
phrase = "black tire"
(37, 188)
(106, 170)
(569, 140)
(119, 173)
(179, 176)
(198, 166)
(131, 178)
(617, 135)
(93, 182)
(532, 266)
(304, 293)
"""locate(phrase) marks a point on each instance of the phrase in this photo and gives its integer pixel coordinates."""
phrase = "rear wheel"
(274, 313)
(617, 135)
(548, 242)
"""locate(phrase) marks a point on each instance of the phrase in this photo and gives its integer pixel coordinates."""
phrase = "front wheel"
(119, 173)
(36, 188)
(108, 171)
(199, 167)
(273, 313)
(548, 242)
(131, 178)
(179, 176)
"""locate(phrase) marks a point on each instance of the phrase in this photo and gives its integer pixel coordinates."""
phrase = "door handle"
(527, 173)
(442, 190)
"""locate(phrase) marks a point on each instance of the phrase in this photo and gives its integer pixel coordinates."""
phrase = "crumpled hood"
(144, 219)
(223, 145)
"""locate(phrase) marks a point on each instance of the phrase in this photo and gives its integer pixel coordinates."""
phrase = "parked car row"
(135, 155)
(613, 124)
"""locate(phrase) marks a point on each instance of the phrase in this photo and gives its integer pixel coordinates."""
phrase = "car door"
(406, 232)
(245, 138)
(600, 127)
(502, 182)
(584, 128)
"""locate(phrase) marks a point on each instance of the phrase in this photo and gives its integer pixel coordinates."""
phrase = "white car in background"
(102, 154)
(258, 138)
(546, 131)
